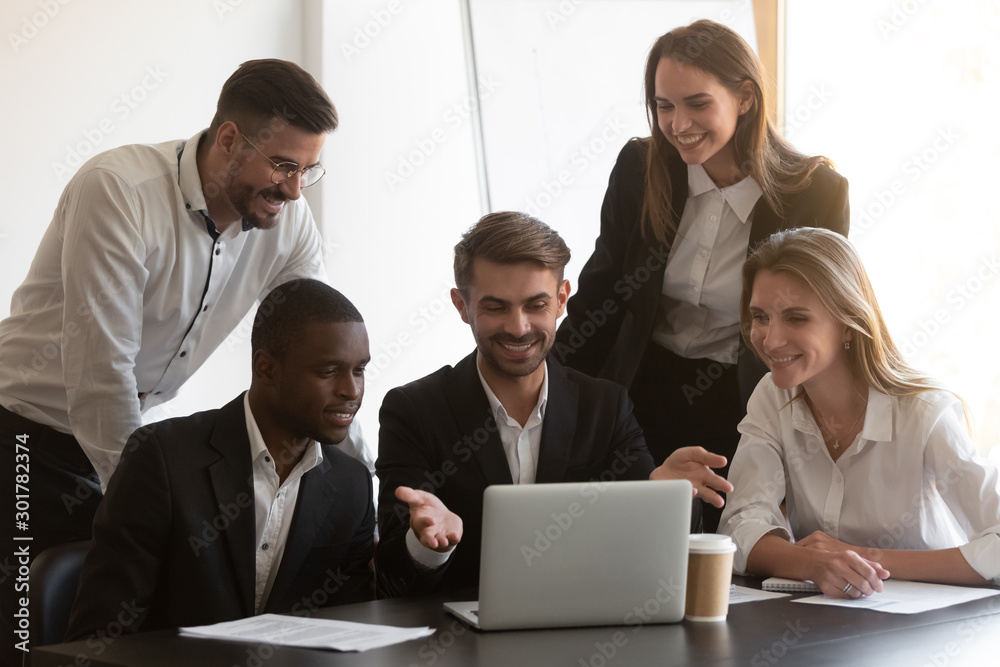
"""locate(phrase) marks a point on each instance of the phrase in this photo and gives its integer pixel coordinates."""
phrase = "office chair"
(54, 576)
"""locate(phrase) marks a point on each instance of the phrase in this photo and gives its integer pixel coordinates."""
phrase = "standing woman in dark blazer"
(657, 308)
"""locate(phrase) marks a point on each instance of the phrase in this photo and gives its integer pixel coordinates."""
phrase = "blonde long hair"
(830, 265)
(773, 163)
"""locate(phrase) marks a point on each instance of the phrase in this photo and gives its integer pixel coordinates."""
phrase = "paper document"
(740, 594)
(281, 630)
(907, 597)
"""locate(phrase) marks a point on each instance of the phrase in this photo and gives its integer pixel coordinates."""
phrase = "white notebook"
(783, 585)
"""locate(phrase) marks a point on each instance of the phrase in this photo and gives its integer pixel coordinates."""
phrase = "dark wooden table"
(759, 634)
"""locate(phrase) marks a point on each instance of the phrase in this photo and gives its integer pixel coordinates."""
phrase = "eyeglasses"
(284, 171)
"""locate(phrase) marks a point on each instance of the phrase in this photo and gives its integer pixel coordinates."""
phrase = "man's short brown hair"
(262, 91)
(509, 237)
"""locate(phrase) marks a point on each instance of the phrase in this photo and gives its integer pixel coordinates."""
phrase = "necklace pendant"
(836, 444)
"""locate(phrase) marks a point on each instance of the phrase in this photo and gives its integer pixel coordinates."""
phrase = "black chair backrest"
(54, 577)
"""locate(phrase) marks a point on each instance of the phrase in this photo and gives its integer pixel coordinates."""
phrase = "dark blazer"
(611, 317)
(174, 537)
(438, 434)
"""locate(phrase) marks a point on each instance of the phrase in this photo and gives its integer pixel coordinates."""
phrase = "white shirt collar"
(499, 412)
(188, 177)
(189, 180)
(741, 196)
(879, 419)
(311, 458)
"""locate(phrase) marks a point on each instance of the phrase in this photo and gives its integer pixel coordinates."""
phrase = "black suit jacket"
(611, 317)
(438, 434)
(174, 537)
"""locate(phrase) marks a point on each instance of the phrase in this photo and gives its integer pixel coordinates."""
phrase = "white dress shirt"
(699, 315)
(129, 294)
(274, 505)
(911, 479)
(520, 445)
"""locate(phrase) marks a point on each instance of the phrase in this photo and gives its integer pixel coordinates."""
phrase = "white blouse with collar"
(911, 480)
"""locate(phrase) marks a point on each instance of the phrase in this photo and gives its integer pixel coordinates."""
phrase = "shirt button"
(218, 251)
(204, 309)
(713, 218)
(264, 547)
(267, 458)
(184, 354)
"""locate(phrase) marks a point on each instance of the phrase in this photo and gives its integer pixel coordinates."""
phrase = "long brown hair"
(761, 152)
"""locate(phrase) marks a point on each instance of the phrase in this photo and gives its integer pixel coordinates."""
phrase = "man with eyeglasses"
(154, 255)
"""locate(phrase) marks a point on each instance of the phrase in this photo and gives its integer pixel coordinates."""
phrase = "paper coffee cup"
(710, 573)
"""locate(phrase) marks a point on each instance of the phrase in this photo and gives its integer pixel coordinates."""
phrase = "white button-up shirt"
(274, 505)
(699, 314)
(128, 294)
(520, 444)
(911, 479)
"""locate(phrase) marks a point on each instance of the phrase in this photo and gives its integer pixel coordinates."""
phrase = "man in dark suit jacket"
(507, 413)
(249, 508)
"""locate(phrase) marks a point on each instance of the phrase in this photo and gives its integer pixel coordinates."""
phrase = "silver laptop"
(594, 553)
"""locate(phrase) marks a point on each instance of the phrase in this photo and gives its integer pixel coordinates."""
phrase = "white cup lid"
(710, 543)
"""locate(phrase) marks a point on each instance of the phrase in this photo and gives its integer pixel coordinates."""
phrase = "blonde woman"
(871, 458)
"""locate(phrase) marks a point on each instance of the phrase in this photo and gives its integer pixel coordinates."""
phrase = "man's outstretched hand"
(436, 526)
